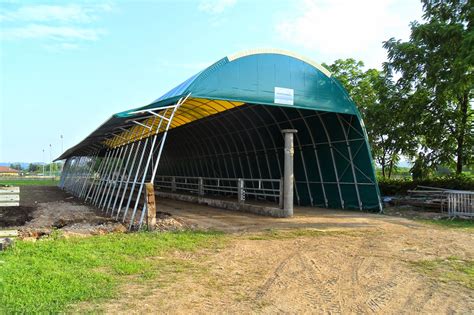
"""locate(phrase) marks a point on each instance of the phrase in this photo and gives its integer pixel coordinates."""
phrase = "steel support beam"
(351, 160)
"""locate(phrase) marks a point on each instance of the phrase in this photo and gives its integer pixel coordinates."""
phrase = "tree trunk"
(390, 167)
(383, 167)
(464, 103)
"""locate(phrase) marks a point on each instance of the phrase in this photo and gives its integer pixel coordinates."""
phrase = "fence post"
(173, 184)
(200, 186)
(240, 190)
(150, 206)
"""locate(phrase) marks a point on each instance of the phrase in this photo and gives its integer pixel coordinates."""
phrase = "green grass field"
(29, 182)
(49, 275)
(449, 269)
(452, 223)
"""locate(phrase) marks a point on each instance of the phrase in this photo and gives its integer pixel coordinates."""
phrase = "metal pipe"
(104, 175)
(93, 186)
(88, 176)
(145, 171)
(351, 161)
(119, 208)
(123, 150)
(331, 149)
(132, 145)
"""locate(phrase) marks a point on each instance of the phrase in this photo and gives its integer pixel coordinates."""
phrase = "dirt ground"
(44, 208)
(358, 263)
(341, 262)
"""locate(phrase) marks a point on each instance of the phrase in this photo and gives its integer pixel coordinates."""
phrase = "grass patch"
(30, 182)
(455, 223)
(51, 274)
(451, 269)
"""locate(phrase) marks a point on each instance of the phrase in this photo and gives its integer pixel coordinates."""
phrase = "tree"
(32, 167)
(436, 69)
(16, 166)
(379, 102)
(355, 80)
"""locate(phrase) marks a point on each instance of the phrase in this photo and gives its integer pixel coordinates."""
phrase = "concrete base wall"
(224, 204)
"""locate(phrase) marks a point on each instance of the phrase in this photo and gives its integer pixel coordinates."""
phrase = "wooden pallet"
(9, 196)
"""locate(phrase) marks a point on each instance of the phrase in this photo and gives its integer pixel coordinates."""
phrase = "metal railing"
(460, 203)
(242, 188)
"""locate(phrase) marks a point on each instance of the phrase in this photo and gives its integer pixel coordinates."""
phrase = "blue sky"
(65, 67)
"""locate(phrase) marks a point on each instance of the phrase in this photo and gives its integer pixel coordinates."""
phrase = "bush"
(391, 187)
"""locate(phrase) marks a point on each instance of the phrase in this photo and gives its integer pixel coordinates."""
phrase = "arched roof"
(225, 122)
(250, 77)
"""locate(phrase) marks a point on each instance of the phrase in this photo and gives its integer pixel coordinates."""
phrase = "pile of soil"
(166, 222)
(44, 209)
(15, 216)
(70, 218)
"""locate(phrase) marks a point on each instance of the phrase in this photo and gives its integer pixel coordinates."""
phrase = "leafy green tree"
(355, 80)
(420, 169)
(16, 166)
(379, 102)
(436, 70)
(32, 167)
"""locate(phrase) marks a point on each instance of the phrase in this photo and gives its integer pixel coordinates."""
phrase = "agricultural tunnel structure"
(219, 133)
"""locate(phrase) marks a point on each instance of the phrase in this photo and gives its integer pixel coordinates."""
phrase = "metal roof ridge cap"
(257, 51)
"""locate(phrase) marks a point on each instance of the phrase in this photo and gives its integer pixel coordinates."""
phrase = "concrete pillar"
(280, 199)
(288, 176)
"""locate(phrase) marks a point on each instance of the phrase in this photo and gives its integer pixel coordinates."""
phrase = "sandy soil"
(362, 263)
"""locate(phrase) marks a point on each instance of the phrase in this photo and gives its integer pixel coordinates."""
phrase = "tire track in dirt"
(327, 289)
(332, 273)
(378, 299)
(263, 290)
(422, 296)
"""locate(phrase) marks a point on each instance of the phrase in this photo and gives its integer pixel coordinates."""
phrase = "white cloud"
(58, 13)
(215, 7)
(39, 31)
(346, 28)
(59, 27)
(59, 47)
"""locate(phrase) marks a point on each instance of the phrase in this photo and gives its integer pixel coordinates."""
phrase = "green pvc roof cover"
(250, 78)
(253, 78)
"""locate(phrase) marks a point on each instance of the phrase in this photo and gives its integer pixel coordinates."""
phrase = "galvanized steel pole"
(288, 180)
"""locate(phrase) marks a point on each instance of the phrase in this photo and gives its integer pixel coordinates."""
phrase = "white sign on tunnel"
(284, 96)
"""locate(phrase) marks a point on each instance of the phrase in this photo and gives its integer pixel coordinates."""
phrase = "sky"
(66, 67)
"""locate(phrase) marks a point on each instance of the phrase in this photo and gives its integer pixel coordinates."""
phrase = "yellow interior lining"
(191, 110)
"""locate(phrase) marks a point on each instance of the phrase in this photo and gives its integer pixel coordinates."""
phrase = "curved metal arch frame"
(103, 186)
(256, 126)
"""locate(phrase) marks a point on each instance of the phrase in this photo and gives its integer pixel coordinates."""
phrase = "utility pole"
(62, 151)
(44, 162)
(50, 161)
